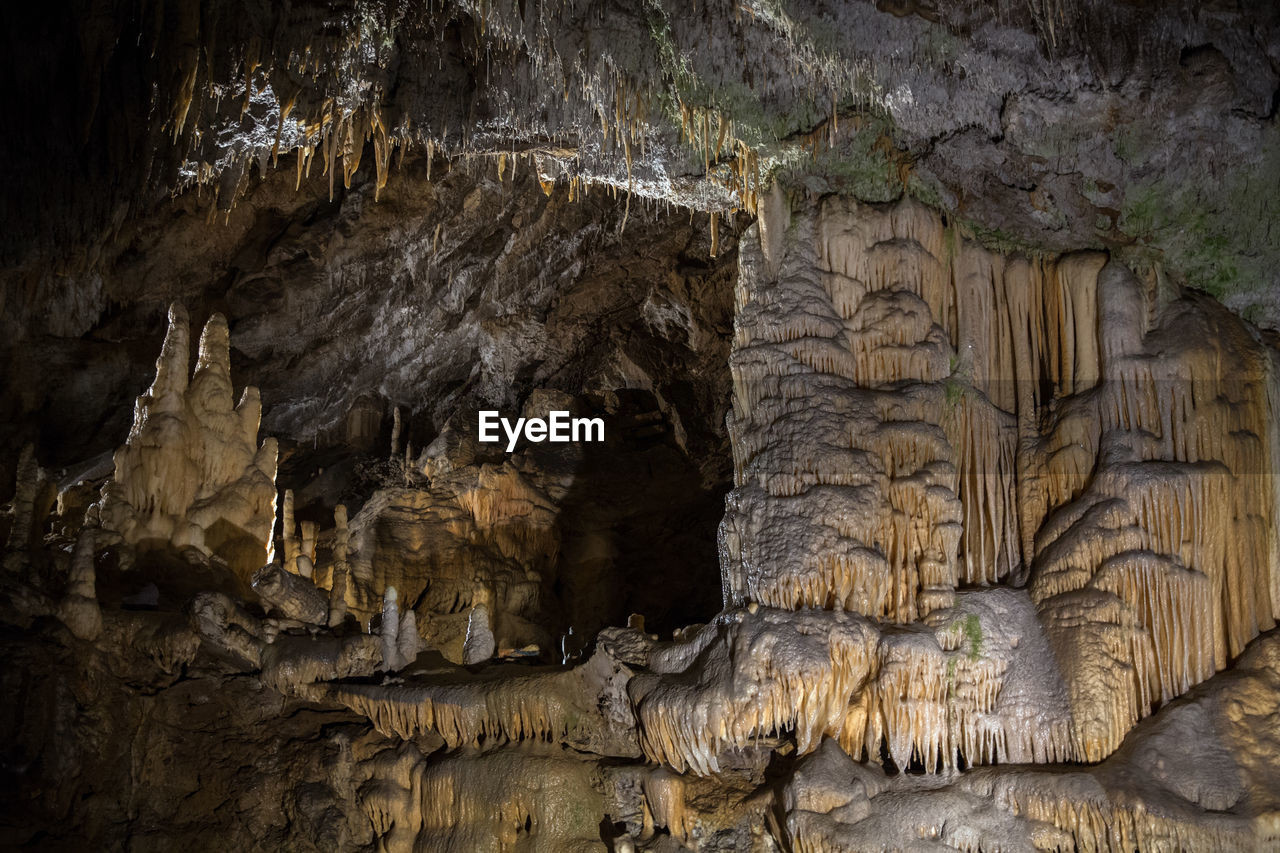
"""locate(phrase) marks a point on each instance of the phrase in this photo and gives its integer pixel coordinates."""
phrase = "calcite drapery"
(892, 382)
(1157, 562)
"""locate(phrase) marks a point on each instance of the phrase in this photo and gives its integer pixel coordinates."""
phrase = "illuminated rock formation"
(477, 535)
(290, 595)
(225, 625)
(1158, 568)
(586, 708)
(845, 486)
(493, 801)
(888, 407)
(988, 511)
(889, 392)
(748, 676)
(191, 473)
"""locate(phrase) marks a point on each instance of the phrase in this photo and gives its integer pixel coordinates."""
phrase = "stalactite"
(985, 441)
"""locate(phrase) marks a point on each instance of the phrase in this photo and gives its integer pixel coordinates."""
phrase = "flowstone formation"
(937, 499)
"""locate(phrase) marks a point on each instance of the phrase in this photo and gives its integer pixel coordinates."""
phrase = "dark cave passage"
(639, 528)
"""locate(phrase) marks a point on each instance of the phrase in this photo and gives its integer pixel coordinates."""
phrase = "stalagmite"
(79, 609)
(341, 571)
(26, 486)
(409, 643)
(191, 473)
(306, 559)
(389, 630)
(395, 429)
(479, 645)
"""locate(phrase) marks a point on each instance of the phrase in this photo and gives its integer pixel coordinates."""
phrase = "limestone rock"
(292, 596)
(191, 473)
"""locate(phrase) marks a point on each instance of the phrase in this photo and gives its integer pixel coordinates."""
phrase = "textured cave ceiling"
(936, 347)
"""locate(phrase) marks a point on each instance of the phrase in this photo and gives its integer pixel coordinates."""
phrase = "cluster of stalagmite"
(471, 547)
(458, 561)
(191, 474)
